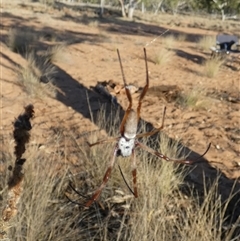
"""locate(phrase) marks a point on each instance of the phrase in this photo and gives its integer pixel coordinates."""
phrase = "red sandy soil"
(91, 57)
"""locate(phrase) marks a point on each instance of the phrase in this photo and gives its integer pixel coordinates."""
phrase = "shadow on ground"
(198, 59)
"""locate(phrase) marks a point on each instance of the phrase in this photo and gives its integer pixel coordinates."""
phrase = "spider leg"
(102, 141)
(105, 179)
(198, 159)
(77, 192)
(73, 201)
(74, 189)
(134, 174)
(145, 89)
(128, 96)
(156, 130)
(158, 154)
(124, 179)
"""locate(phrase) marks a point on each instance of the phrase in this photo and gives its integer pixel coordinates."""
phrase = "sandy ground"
(91, 57)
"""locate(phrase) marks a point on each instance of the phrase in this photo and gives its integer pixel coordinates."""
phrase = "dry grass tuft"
(195, 99)
(157, 181)
(104, 36)
(94, 24)
(43, 212)
(48, 2)
(181, 37)
(37, 77)
(20, 41)
(154, 214)
(169, 41)
(161, 212)
(212, 66)
(206, 42)
(162, 56)
(56, 53)
(21, 135)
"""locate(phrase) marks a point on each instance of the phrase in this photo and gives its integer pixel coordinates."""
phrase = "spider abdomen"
(126, 146)
(130, 127)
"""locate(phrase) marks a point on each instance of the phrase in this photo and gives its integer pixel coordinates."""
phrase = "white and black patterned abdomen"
(126, 146)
